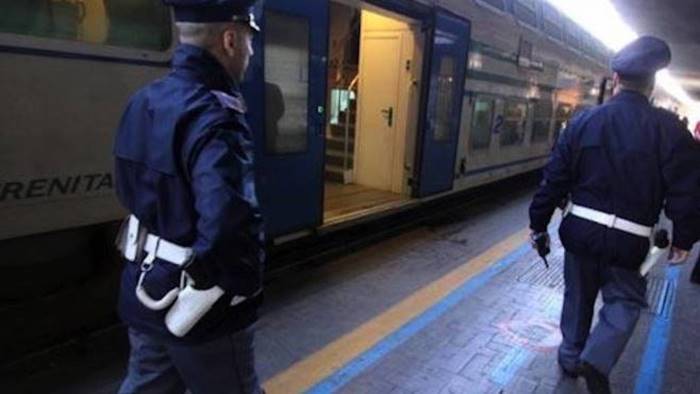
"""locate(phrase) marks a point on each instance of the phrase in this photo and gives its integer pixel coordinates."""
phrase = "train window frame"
(268, 148)
(57, 47)
(552, 16)
(529, 5)
(588, 45)
(560, 124)
(523, 131)
(572, 29)
(494, 105)
(540, 138)
(485, 4)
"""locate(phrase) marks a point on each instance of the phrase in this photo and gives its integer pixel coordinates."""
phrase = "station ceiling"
(676, 21)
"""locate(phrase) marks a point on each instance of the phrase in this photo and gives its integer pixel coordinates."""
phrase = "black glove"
(199, 274)
(540, 241)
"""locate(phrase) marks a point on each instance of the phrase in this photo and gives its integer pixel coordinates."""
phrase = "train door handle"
(388, 114)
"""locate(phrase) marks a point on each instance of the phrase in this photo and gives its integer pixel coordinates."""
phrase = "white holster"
(190, 307)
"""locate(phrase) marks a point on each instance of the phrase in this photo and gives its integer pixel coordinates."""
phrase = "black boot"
(569, 373)
(695, 276)
(596, 382)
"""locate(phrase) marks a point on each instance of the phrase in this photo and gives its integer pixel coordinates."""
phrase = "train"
(360, 109)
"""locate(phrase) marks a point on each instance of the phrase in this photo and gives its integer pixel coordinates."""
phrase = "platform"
(460, 305)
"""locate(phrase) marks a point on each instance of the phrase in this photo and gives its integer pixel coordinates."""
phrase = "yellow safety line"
(306, 373)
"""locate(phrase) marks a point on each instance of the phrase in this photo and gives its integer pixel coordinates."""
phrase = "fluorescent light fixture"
(601, 19)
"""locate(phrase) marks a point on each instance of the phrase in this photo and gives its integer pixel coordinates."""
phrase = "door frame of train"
(290, 185)
(426, 148)
(411, 8)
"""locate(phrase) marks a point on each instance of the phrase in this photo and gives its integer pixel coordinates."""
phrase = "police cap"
(211, 11)
(642, 58)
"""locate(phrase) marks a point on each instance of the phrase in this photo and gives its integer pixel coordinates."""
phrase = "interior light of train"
(475, 61)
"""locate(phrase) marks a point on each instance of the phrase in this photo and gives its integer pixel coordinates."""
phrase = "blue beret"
(642, 58)
(211, 11)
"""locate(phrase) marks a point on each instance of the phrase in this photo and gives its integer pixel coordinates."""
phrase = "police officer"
(618, 163)
(193, 245)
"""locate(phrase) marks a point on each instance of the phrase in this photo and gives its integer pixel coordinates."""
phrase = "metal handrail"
(347, 127)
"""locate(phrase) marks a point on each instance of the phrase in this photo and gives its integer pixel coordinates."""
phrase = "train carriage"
(359, 107)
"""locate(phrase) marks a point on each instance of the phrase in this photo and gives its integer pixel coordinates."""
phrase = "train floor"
(344, 202)
(460, 304)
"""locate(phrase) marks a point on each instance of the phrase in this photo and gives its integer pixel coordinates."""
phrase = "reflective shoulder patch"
(231, 102)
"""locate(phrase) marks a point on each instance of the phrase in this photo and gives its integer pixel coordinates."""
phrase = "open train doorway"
(374, 69)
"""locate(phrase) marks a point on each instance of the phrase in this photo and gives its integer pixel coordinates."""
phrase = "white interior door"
(378, 109)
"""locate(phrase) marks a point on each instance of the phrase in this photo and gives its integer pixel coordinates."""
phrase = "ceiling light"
(601, 19)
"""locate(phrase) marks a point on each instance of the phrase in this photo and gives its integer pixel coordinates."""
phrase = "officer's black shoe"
(695, 278)
(569, 373)
(596, 382)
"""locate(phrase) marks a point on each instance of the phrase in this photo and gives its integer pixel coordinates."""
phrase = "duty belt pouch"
(131, 238)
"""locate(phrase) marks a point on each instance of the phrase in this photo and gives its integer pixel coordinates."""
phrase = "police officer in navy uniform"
(193, 245)
(619, 163)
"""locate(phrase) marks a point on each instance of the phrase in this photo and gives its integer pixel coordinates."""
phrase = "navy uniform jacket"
(627, 158)
(184, 167)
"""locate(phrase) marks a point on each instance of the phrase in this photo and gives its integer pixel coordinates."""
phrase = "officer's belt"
(609, 220)
(134, 240)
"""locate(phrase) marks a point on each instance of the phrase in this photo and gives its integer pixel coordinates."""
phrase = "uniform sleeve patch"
(231, 102)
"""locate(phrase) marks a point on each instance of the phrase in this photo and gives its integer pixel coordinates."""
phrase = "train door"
(286, 91)
(441, 121)
(375, 64)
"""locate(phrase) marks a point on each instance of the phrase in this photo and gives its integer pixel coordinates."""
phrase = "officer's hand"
(199, 275)
(535, 236)
(677, 255)
(540, 241)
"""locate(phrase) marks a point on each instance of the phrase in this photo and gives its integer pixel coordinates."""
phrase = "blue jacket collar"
(198, 64)
(631, 96)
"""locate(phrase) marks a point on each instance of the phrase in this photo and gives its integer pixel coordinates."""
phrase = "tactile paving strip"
(535, 273)
(659, 290)
(659, 295)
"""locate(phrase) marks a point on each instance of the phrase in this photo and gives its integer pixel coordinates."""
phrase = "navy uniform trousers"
(222, 366)
(624, 296)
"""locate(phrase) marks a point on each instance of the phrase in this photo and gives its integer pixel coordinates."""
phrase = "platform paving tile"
(503, 339)
(500, 340)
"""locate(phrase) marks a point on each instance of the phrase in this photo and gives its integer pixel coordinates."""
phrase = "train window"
(525, 11)
(552, 22)
(443, 109)
(514, 122)
(480, 137)
(561, 117)
(125, 23)
(587, 44)
(542, 120)
(571, 35)
(498, 4)
(286, 83)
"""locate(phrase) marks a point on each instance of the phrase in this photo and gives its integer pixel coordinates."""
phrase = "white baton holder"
(190, 307)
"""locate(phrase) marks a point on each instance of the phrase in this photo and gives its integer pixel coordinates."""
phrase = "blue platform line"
(651, 373)
(510, 365)
(359, 364)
